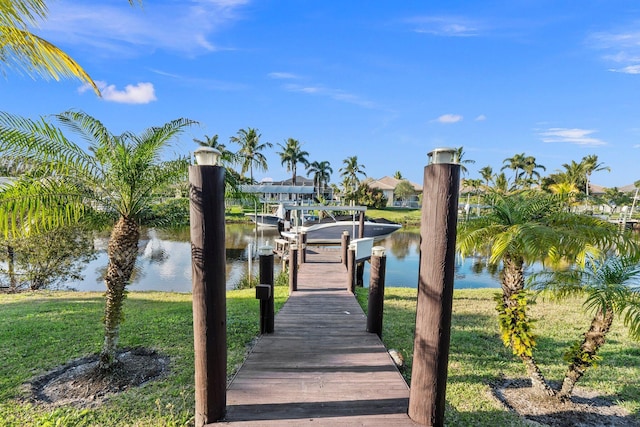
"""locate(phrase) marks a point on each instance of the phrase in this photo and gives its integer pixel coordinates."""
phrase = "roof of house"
(390, 183)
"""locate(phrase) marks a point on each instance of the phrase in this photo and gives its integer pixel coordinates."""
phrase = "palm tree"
(611, 287)
(119, 174)
(398, 175)
(529, 167)
(515, 163)
(250, 153)
(566, 193)
(487, 174)
(212, 141)
(463, 161)
(523, 228)
(21, 48)
(349, 172)
(291, 155)
(321, 174)
(591, 165)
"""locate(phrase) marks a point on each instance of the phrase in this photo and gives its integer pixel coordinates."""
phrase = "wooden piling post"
(344, 245)
(293, 268)
(208, 291)
(361, 225)
(303, 247)
(266, 277)
(351, 266)
(435, 291)
(376, 291)
(360, 274)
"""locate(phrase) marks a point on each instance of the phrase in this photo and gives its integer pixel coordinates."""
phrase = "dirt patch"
(82, 384)
(585, 409)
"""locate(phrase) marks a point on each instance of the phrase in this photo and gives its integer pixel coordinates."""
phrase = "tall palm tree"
(119, 174)
(611, 287)
(523, 228)
(516, 164)
(21, 48)
(487, 174)
(529, 167)
(349, 172)
(250, 153)
(292, 154)
(212, 141)
(463, 161)
(591, 165)
(321, 175)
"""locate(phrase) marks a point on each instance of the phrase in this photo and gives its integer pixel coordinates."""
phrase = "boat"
(329, 230)
(268, 220)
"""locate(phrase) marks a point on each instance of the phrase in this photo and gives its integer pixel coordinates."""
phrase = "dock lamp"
(208, 267)
(207, 156)
(443, 156)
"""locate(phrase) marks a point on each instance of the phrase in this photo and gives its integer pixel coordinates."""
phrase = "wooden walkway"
(320, 367)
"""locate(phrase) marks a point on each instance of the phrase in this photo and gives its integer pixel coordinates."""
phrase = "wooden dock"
(320, 367)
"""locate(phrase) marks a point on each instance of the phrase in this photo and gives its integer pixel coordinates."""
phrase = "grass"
(477, 357)
(399, 215)
(46, 329)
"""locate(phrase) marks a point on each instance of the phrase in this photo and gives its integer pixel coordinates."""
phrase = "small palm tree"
(119, 175)
(523, 228)
(611, 288)
(250, 153)
(212, 141)
(292, 154)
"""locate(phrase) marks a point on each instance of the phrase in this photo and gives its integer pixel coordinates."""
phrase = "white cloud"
(447, 26)
(116, 28)
(336, 94)
(481, 118)
(620, 47)
(283, 76)
(141, 93)
(571, 136)
(449, 118)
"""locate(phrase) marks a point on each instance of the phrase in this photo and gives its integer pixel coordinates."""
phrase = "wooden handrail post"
(293, 268)
(266, 277)
(435, 288)
(344, 245)
(376, 291)
(206, 191)
(351, 266)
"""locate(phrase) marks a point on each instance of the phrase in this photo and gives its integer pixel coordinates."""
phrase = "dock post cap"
(378, 251)
(265, 250)
(444, 155)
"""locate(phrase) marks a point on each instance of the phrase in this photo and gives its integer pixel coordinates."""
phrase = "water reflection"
(164, 263)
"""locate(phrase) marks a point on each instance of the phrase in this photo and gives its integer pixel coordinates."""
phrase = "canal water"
(164, 263)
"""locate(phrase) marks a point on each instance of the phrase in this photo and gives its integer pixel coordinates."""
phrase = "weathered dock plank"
(320, 367)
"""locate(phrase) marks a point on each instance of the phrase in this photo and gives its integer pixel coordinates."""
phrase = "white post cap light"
(265, 250)
(443, 155)
(377, 251)
(207, 156)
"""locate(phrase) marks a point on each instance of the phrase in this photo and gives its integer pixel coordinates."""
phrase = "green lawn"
(46, 329)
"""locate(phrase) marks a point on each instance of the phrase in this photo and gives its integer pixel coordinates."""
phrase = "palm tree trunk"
(583, 358)
(122, 252)
(518, 323)
(11, 263)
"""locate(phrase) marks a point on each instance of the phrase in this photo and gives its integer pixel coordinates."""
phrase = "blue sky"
(384, 80)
